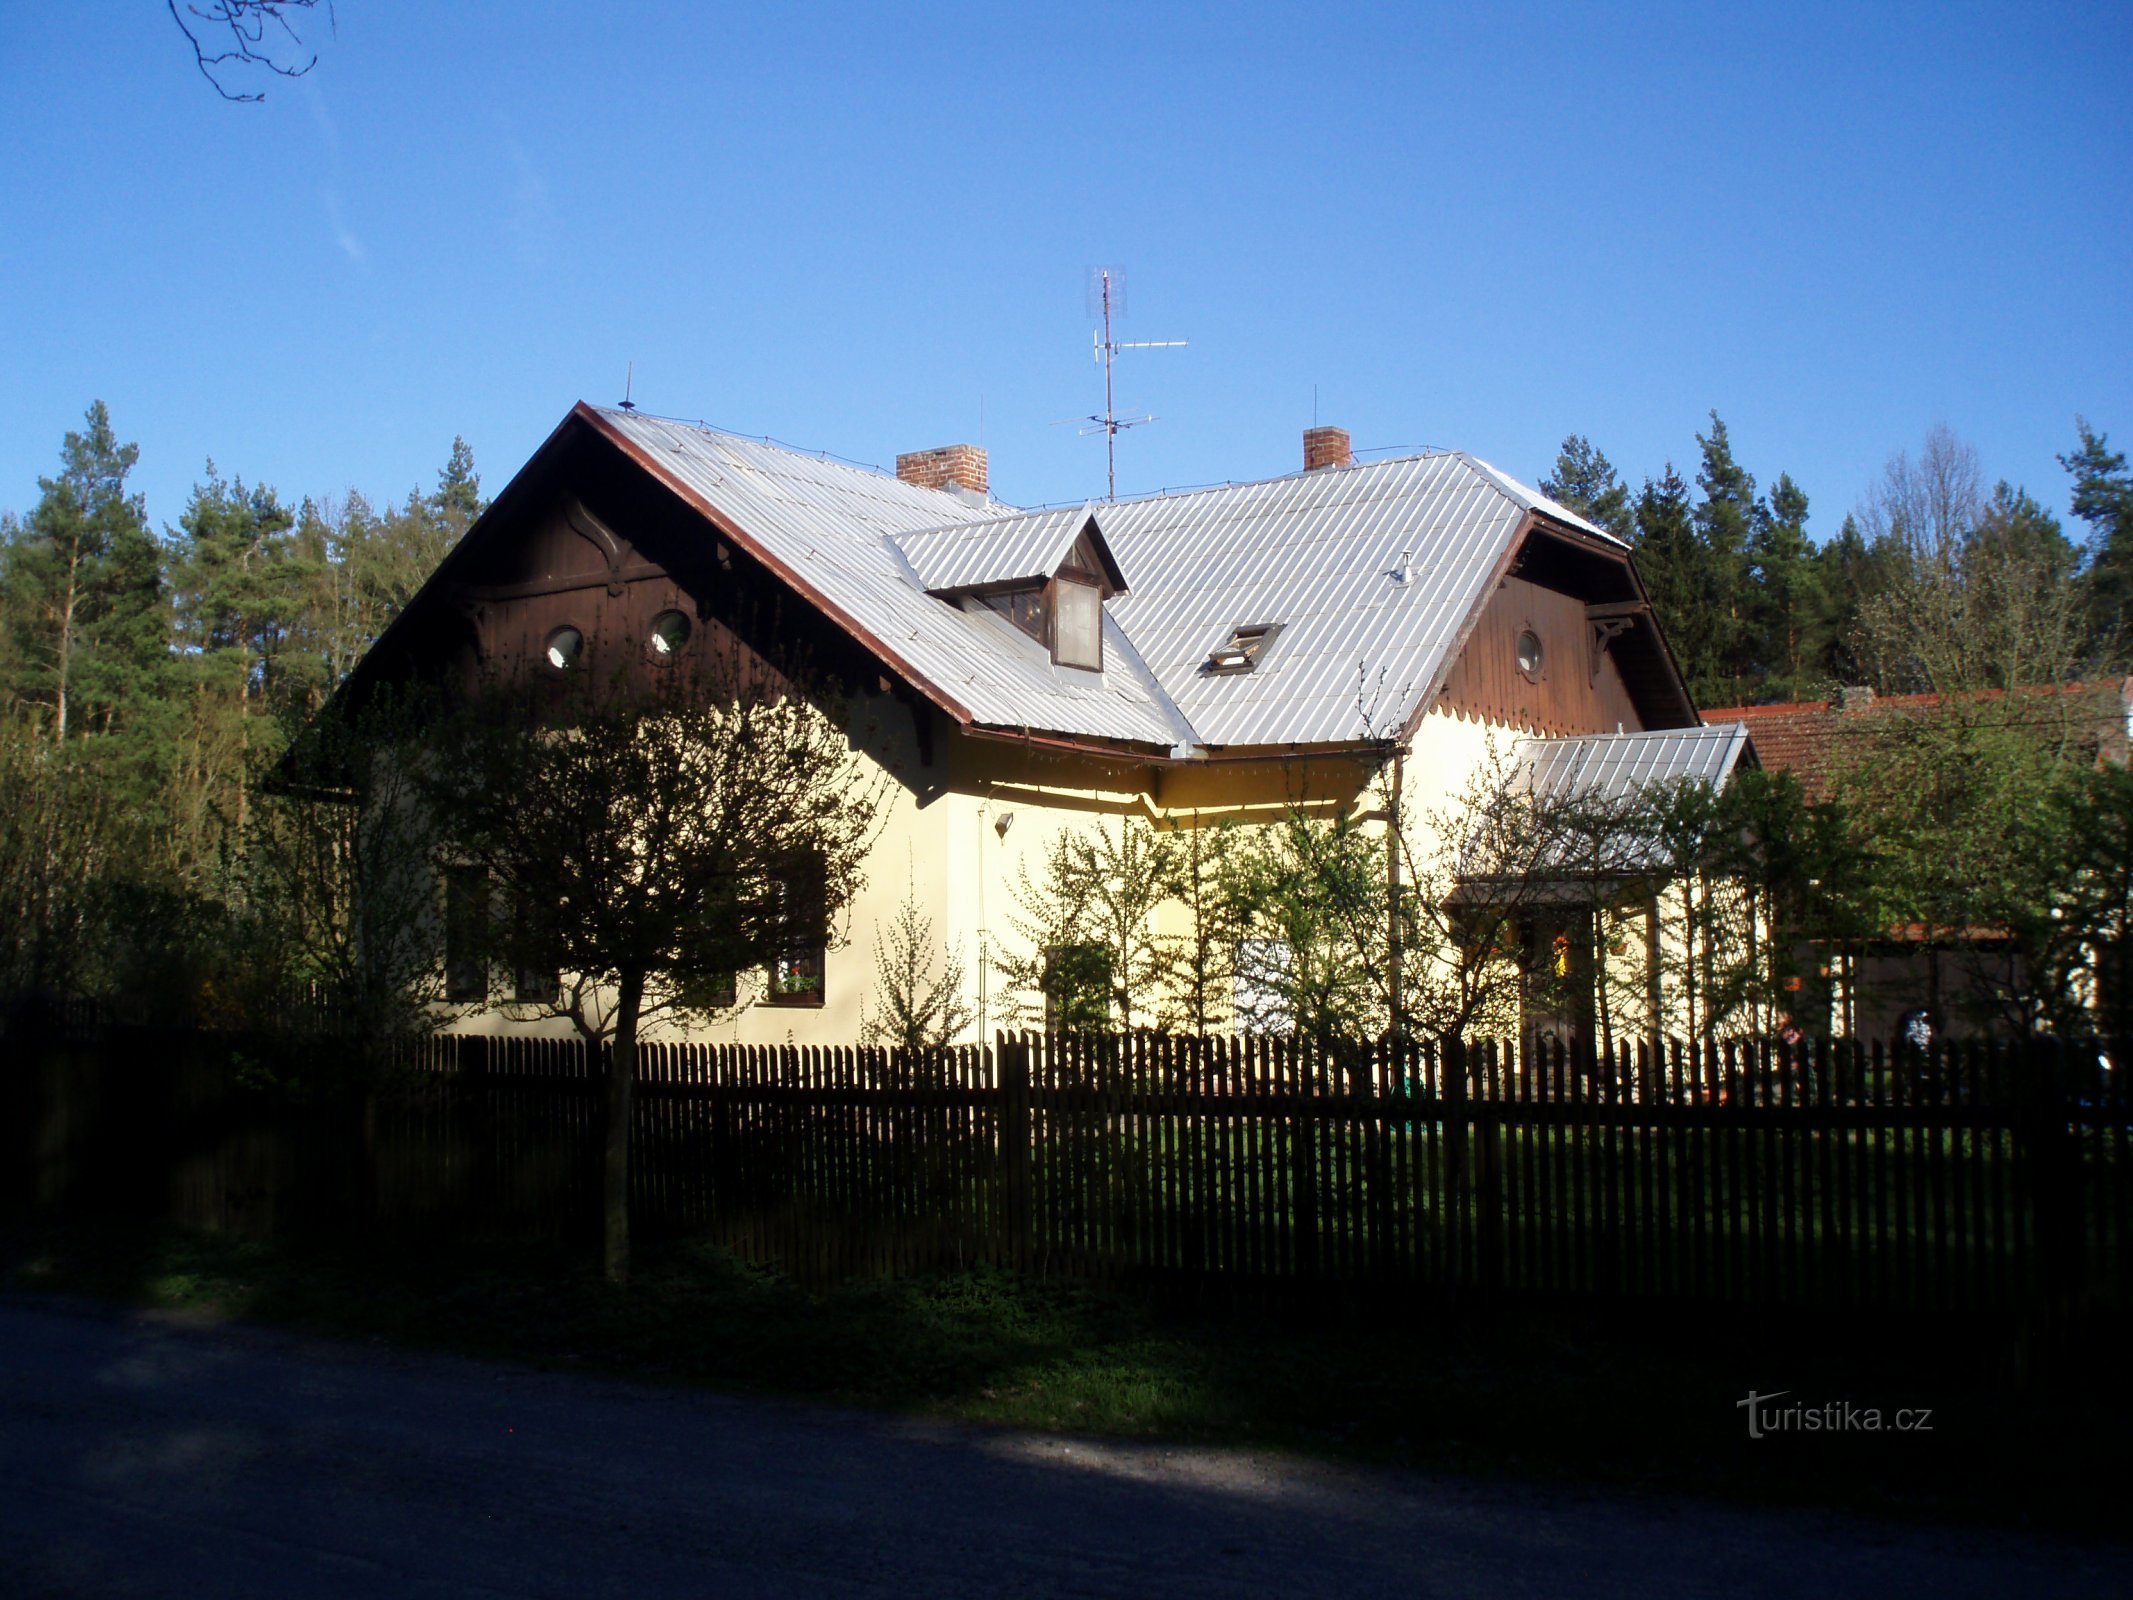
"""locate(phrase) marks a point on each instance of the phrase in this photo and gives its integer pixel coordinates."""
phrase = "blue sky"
(867, 229)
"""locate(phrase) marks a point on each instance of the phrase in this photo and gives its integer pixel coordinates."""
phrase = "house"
(1814, 739)
(1221, 654)
(1879, 988)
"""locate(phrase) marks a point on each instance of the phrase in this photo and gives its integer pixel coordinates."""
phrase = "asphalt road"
(145, 1456)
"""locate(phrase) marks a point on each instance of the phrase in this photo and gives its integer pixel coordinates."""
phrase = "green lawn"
(1530, 1395)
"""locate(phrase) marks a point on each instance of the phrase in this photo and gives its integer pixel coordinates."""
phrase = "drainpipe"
(984, 934)
(1393, 952)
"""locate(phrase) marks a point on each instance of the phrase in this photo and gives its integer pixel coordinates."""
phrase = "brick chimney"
(950, 465)
(1327, 447)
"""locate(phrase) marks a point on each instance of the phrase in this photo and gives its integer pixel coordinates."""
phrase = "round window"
(670, 631)
(564, 647)
(1529, 654)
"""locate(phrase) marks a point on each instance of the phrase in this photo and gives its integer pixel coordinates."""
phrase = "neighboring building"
(1815, 739)
(1189, 657)
(1878, 989)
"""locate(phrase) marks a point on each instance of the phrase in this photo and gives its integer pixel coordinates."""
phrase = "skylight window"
(1247, 644)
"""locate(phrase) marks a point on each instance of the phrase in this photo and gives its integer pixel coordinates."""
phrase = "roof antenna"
(629, 383)
(1107, 288)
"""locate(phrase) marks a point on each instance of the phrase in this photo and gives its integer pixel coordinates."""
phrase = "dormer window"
(1077, 623)
(1047, 572)
(1247, 644)
(1025, 609)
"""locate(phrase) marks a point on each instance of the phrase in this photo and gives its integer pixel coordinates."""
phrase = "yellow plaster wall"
(940, 841)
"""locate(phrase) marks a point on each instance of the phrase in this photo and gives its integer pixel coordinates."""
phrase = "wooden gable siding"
(569, 568)
(1083, 561)
(1567, 697)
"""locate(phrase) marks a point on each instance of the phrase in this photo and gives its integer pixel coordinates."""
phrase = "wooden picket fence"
(1981, 1176)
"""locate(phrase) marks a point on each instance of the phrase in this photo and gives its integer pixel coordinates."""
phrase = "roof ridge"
(820, 457)
(981, 525)
(1186, 491)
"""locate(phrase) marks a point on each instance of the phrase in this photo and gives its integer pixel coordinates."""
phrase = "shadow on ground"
(1539, 1395)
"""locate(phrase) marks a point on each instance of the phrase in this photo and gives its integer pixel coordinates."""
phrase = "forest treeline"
(1934, 581)
(148, 677)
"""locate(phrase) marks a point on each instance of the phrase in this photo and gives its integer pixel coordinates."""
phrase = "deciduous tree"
(648, 849)
(920, 1004)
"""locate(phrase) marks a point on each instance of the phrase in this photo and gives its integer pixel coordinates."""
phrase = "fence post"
(1383, 1060)
(1452, 1076)
(1303, 1157)
(476, 1118)
(1488, 1182)
(715, 1066)
(1014, 1199)
(2051, 1158)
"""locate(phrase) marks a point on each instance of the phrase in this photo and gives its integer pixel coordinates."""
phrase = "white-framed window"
(1077, 624)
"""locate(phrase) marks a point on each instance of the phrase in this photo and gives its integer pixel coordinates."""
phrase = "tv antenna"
(629, 383)
(1108, 289)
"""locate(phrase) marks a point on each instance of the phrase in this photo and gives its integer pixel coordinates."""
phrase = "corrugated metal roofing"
(834, 525)
(1616, 766)
(1317, 552)
(1028, 548)
(1609, 768)
(1534, 500)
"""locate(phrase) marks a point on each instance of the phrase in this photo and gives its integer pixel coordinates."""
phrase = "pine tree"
(2027, 620)
(241, 583)
(1671, 559)
(1584, 481)
(1846, 569)
(1789, 622)
(457, 500)
(239, 578)
(2103, 498)
(1726, 520)
(84, 582)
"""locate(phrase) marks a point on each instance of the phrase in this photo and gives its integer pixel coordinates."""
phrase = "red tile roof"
(1805, 737)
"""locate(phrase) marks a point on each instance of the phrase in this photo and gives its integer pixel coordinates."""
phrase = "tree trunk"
(66, 641)
(621, 1080)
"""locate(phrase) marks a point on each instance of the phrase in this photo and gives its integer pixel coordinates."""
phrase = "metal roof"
(1617, 766)
(833, 526)
(1612, 769)
(1019, 549)
(1534, 500)
(1371, 571)
(1319, 553)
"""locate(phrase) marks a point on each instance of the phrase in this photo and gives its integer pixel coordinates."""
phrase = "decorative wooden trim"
(637, 572)
(1610, 620)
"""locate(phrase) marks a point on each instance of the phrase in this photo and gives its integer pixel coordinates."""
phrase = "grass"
(1536, 1395)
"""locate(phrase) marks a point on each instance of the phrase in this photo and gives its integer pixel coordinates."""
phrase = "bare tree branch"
(235, 34)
